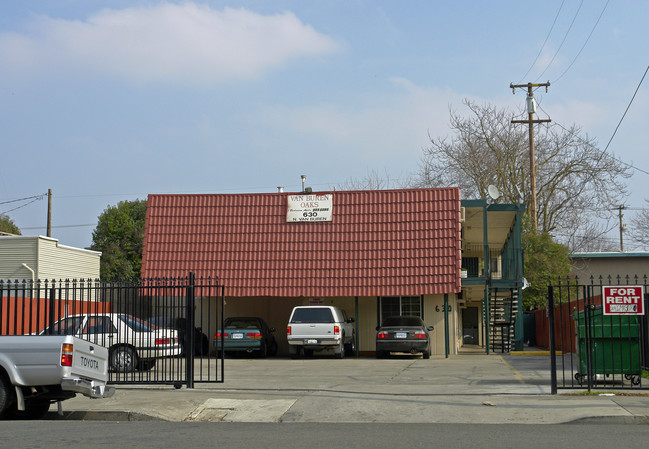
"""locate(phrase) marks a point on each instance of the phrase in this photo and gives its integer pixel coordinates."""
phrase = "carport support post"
(446, 333)
(356, 325)
(189, 331)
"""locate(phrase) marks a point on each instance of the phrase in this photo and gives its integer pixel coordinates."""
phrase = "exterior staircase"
(502, 316)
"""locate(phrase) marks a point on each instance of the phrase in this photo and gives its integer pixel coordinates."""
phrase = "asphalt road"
(84, 434)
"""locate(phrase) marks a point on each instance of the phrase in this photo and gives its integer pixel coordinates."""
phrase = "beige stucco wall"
(621, 265)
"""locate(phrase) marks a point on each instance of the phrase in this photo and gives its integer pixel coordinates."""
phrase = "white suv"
(315, 328)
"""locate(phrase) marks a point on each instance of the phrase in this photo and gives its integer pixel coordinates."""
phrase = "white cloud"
(186, 44)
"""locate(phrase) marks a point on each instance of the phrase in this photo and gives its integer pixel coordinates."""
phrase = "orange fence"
(564, 327)
(23, 315)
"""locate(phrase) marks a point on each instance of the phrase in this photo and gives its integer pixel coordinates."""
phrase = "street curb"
(117, 416)
(532, 353)
(100, 416)
(612, 420)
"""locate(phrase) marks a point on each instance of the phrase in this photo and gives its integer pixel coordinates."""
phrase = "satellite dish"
(493, 191)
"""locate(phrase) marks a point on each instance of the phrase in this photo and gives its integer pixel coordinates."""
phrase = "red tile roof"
(379, 243)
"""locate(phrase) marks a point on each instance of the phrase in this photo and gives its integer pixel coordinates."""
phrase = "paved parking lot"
(460, 389)
(474, 374)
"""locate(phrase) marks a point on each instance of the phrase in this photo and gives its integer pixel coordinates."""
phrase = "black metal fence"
(157, 330)
(596, 340)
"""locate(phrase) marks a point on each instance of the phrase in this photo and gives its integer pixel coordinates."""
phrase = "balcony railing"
(502, 264)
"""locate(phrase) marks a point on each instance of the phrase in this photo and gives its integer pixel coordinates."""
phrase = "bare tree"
(592, 236)
(373, 181)
(639, 229)
(576, 182)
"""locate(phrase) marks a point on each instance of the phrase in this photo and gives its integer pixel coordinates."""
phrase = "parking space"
(463, 374)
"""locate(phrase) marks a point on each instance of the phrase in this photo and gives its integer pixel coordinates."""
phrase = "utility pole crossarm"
(544, 120)
(529, 85)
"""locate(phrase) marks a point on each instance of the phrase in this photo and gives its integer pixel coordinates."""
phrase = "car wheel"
(295, 353)
(340, 352)
(202, 344)
(273, 348)
(146, 365)
(426, 354)
(123, 359)
(5, 395)
(380, 354)
(263, 352)
(351, 347)
(34, 409)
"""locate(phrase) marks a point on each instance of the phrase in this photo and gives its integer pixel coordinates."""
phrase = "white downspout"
(31, 271)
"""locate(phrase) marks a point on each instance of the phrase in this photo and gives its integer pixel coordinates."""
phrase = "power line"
(587, 39)
(61, 226)
(20, 207)
(544, 42)
(24, 199)
(563, 41)
(627, 108)
(588, 143)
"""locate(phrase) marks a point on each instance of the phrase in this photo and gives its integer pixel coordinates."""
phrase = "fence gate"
(598, 333)
(158, 331)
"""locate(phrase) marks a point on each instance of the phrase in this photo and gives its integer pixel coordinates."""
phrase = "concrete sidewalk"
(461, 389)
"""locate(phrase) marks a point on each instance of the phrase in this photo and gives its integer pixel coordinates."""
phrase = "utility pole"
(620, 208)
(49, 212)
(531, 109)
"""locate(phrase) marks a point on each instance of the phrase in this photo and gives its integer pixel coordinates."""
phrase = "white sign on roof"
(313, 207)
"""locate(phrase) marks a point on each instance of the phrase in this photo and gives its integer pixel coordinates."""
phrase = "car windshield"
(402, 321)
(66, 326)
(160, 321)
(313, 315)
(137, 324)
(168, 322)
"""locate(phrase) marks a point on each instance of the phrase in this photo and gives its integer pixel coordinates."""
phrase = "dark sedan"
(246, 334)
(403, 334)
(201, 342)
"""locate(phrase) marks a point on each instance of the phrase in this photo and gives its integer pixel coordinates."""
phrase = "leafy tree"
(7, 226)
(576, 182)
(545, 260)
(119, 235)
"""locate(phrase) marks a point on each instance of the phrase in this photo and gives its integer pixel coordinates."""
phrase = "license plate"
(401, 335)
(237, 336)
(311, 341)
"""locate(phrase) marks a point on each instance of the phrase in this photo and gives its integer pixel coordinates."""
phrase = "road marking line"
(518, 374)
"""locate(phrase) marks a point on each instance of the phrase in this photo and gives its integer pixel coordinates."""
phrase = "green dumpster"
(613, 343)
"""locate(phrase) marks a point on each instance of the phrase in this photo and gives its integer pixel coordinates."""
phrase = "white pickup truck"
(36, 371)
(315, 328)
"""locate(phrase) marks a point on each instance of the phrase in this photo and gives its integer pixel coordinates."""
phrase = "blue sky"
(104, 101)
